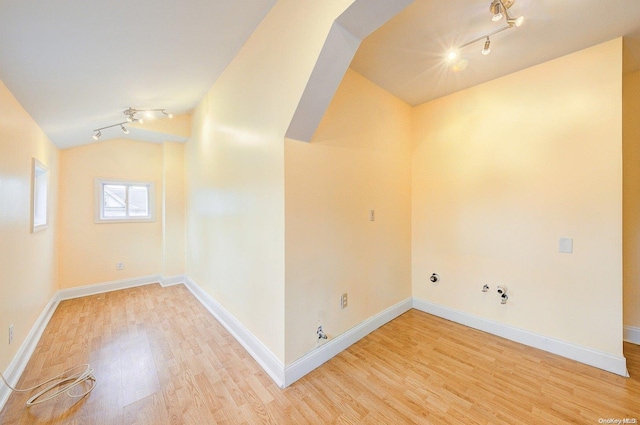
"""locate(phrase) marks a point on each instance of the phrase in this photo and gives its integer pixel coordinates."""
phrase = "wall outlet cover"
(566, 245)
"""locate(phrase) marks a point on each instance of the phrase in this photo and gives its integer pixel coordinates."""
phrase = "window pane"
(115, 200)
(138, 201)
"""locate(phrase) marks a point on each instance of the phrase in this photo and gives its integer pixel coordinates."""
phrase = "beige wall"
(27, 260)
(173, 210)
(631, 205)
(235, 167)
(359, 159)
(501, 171)
(89, 252)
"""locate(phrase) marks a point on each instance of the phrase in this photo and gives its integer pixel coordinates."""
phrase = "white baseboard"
(632, 334)
(601, 360)
(285, 376)
(282, 376)
(325, 352)
(173, 280)
(265, 358)
(100, 288)
(16, 367)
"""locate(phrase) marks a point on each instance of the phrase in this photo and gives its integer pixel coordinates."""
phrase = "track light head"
(517, 22)
(124, 129)
(97, 135)
(487, 47)
(496, 9)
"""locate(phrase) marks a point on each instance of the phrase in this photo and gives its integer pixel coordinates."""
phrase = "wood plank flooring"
(161, 359)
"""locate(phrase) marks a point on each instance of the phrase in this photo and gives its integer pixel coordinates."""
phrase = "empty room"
(347, 211)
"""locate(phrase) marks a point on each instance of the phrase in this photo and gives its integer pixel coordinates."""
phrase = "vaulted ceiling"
(407, 56)
(76, 65)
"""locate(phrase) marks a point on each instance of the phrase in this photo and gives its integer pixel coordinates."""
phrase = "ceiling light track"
(98, 131)
(130, 114)
(499, 9)
(484, 37)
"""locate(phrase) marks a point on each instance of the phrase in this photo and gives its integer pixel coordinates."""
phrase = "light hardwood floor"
(161, 358)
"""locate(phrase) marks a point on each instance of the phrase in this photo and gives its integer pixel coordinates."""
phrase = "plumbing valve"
(321, 334)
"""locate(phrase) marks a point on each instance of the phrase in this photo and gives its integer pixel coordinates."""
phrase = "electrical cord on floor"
(61, 383)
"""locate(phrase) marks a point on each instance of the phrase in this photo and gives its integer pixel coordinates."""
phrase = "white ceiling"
(75, 65)
(406, 56)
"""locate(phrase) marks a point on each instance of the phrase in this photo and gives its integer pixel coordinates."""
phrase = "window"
(124, 201)
(39, 190)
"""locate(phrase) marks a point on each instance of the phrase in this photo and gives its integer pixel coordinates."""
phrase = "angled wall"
(235, 168)
(358, 160)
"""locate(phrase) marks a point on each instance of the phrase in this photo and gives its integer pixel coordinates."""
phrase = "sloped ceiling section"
(75, 65)
(358, 21)
(407, 56)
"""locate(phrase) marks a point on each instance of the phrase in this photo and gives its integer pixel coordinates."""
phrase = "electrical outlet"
(344, 301)
(10, 333)
(120, 266)
(372, 215)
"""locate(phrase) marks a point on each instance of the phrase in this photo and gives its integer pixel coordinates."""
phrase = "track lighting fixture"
(499, 9)
(517, 22)
(130, 114)
(98, 131)
(487, 47)
(496, 8)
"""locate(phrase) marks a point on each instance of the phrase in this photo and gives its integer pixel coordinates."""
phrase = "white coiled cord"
(61, 383)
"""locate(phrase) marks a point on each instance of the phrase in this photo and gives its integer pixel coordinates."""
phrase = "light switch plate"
(566, 245)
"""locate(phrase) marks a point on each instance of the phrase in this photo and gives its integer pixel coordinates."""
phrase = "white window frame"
(39, 196)
(99, 184)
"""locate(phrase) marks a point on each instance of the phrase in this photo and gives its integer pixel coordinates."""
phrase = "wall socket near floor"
(120, 266)
(344, 301)
(10, 333)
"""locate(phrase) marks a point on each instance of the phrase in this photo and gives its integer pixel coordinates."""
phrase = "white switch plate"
(344, 301)
(566, 245)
